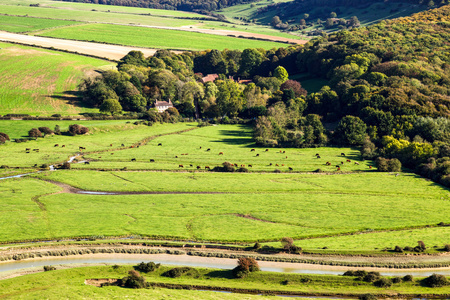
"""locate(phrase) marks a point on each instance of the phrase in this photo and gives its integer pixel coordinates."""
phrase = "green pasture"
(98, 139)
(236, 143)
(154, 37)
(76, 6)
(89, 16)
(69, 283)
(22, 24)
(43, 82)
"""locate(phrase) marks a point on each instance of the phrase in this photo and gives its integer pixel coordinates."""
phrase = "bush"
(49, 268)
(435, 280)
(388, 165)
(35, 133)
(78, 129)
(226, 167)
(372, 277)
(407, 278)
(45, 130)
(349, 273)
(177, 272)
(367, 297)
(398, 249)
(383, 282)
(245, 266)
(66, 165)
(147, 267)
(396, 279)
(421, 246)
(447, 248)
(4, 137)
(407, 248)
(134, 280)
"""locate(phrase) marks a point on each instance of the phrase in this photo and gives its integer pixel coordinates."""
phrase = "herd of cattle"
(338, 167)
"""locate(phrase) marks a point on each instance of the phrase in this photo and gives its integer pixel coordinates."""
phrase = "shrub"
(49, 268)
(66, 165)
(147, 267)
(177, 272)
(372, 277)
(435, 280)
(57, 130)
(396, 279)
(421, 246)
(349, 273)
(134, 280)
(257, 246)
(245, 266)
(277, 171)
(398, 249)
(447, 248)
(407, 248)
(367, 297)
(45, 130)
(388, 165)
(360, 273)
(4, 137)
(78, 129)
(407, 278)
(383, 282)
(226, 167)
(34, 132)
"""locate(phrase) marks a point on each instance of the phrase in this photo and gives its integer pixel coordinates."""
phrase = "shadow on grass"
(226, 274)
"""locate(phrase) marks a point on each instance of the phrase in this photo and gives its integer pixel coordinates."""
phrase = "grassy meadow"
(23, 24)
(37, 81)
(69, 283)
(154, 38)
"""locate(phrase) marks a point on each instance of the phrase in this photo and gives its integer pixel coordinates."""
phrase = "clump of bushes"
(49, 268)
(383, 282)
(134, 280)
(288, 245)
(367, 297)
(147, 267)
(66, 165)
(435, 280)
(226, 167)
(76, 129)
(372, 277)
(447, 248)
(177, 272)
(245, 266)
(35, 133)
(388, 165)
(407, 278)
(3, 137)
(45, 130)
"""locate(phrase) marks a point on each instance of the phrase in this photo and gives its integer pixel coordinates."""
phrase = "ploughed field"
(167, 198)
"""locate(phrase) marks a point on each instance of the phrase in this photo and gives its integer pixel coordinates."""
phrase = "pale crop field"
(37, 81)
(154, 38)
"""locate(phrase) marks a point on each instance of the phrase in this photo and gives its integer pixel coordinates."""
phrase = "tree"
(111, 106)
(275, 21)
(295, 86)
(333, 15)
(351, 130)
(250, 59)
(3, 137)
(281, 74)
(229, 97)
(45, 130)
(78, 129)
(354, 22)
(133, 58)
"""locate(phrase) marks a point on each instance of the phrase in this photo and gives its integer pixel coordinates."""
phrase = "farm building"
(162, 106)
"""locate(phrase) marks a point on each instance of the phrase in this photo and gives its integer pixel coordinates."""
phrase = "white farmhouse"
(162, 106)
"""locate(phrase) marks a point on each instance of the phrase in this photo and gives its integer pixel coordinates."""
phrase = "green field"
(154, 38)
(69, 283)
(37, 81)
(22, 24)
(268, 205)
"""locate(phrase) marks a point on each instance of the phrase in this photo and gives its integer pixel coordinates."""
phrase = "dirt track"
(112, 52)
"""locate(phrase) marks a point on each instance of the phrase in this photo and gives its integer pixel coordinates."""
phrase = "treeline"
(388, 90)
(186, 5)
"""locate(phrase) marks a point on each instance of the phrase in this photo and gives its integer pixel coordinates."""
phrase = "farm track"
(110, 52)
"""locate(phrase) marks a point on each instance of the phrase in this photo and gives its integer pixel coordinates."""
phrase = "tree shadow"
(71, 97)
(225, 274)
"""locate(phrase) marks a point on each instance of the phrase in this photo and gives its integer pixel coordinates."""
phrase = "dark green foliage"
(396, 280)
(388, 165)
(49, 268)
(447, 248)
(66, 165)
(351, 130)
(245, 266)
(45, 130)
(226, 167)
(177, 272)
(371, 277)
(35, 133)
(147, 267)
(435, 280)
(383, 282)
(398, 249)
(134, 280)
(407, 278)
(367, 297)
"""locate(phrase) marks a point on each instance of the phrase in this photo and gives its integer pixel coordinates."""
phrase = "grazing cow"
(152, 160)
(209, 149)
(267, 150)
(290, 169)
(318, 156)
(112, 153)
(133, 159)
(123, 145)
(284, 152)
(270, 164)
(356, 163)
(86, 163)
(110, 145)
(198, 167)
(236, 165)
(328, 163)
(342, 154)
(338, 169)
(348, 160)
(286, 156)
(37, 150)
(207, 167)
(282, 165)
(338, 166)
(27, 149)
(176, 156)
(220, 153)
(250, 166)
(370, 167)
(277, 165)
(280, 151)
(56, 145)
(342, 162)
(35, 165)
(180, 166)
(242, 166)
(159, 144)
(63, 146)
(257, 155)
(252, 150)
(190, 165)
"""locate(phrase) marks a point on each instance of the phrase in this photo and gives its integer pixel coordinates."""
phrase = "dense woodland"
(186, 5)
(388, 91)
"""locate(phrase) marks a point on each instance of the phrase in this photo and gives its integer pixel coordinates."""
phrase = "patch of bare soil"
(100, 282)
